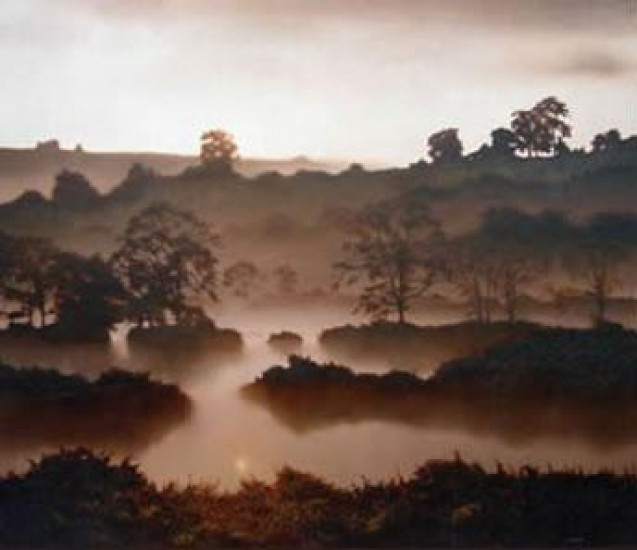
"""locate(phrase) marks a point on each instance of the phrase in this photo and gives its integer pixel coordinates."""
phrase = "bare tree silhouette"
(392, 254)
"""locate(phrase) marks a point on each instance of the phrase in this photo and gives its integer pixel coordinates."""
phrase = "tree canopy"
(218, 150)
(445, 146)
(166, 259)
(542, 128)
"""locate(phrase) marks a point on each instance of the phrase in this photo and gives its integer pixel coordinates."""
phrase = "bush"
(184, 339)
(286, 342)
(80, 499)
(43, 407)
(577, 384)
(415, 347)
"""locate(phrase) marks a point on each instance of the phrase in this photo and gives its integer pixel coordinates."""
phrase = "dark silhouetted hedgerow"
(80, 499)
(560, 383)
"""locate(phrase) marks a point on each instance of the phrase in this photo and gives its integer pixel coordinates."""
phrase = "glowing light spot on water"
(242, 466)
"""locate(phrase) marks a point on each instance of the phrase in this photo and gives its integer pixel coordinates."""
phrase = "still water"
(229, 439)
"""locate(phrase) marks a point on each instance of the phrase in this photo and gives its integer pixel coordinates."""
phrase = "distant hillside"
(22, 169)
(302, 219)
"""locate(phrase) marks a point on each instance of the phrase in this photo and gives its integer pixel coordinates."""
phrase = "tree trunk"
(401, 314)
(511, 312)
(600, 308)
(42, 310)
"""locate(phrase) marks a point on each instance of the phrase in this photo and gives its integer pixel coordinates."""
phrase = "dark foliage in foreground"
(562, 383)
(120, 410)
(78, 499)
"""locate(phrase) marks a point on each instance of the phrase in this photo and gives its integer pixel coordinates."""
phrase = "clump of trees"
(73, 191)
(445, 146)
(163, 270)
(541, 129)
(218, 151)
(59, 295)
(607, 141)
(396, 253)
(494, 265)
(167, 262)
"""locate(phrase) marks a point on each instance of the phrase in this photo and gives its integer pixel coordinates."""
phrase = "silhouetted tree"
(73, 190)
(218, 150)
(139, 173)
(471, 268)
(286, 280)
(89, 299)
(50, 146)
(505, 255)
(165, 260)
(445, 146)
(503, 142)
(27, 281)
(392, 253)
(242, 278)
(517, 259)
(607, 141)
(540, 129)
(602, 252)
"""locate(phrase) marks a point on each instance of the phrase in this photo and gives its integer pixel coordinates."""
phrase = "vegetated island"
(563, 383)
(79, 499)
(119, 411)
(187, 341)
(416, 347)
(286, 342)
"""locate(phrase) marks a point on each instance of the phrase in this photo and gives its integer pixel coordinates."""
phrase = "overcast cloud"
(364, 79)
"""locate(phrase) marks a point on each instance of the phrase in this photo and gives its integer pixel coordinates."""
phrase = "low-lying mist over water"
(227, 439)
(231, 439)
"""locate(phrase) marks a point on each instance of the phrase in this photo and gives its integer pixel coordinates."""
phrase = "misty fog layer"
(229, 439)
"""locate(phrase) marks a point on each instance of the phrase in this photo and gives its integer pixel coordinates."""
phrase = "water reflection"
(227, 438)
(230, 439)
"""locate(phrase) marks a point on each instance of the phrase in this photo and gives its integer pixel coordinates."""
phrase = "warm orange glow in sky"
(358, 79)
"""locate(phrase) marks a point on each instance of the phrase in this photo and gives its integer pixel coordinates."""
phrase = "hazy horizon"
(365, 80)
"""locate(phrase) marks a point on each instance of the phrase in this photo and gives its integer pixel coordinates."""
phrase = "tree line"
(164, 262)
(164, 271)
(539, 131)
(397, 252)
(165, 268)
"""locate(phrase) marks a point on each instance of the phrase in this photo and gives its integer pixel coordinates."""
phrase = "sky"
(363, 80)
